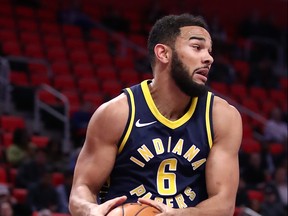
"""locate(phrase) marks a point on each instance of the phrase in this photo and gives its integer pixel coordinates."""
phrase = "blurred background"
(61, 59)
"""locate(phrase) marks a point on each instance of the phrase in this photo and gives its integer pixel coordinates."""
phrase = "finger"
(145, 201)
(153, 203)
(110, 204)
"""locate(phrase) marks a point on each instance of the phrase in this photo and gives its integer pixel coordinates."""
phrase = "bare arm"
(97, 157)
(222, 168)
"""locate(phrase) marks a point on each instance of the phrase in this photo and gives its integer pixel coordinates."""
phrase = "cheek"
(189, 59)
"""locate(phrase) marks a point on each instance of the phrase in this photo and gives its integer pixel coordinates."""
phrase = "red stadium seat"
(218, 87)
(284, 83)
(102, 59)
(11, 48)
(24, 13)
(56, 54)
(7, 23)
(258, 93)
(276, 148)
(74, 100)
(61, 68)
(7, 139)
(98, 48)
(106, 73)
(64, 82)
(27, 25)
(88, 85)
(12, 173)
(40, 141)
(242, 69)
(72, 31)
(79, 56)
(250, 145)
(129, 76)
(75, 43)
(19, 78)
(277, 96)
(48, 28)
(99, 35)
(60, 214)
(237, 211)
(48, 98)
(6, 10)
(46, 15)
(3, 175)
(255, 194)
(146, 75)
(10, 123)
(53, 41)
(30, 37)
(111, 87)
(57, 178)
(20, 194)
(124, 62)
(140, 40)
(238, 91)
(96, 99)
(37, 68)
(251, 104)
(34, 51)
(8, 35)
(247, 131)
(83, 71)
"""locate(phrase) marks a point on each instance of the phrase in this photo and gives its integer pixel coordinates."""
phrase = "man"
(167, 142)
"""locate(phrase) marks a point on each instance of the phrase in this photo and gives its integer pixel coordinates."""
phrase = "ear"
(162, 53)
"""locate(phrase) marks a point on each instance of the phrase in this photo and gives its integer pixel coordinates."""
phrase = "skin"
(98, 154)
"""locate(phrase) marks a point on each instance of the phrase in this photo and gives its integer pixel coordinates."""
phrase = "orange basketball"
(133, 209)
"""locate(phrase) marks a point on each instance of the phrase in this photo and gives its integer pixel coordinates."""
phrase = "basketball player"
(168, 142)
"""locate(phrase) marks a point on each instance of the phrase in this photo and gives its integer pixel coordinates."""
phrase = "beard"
(185, 83)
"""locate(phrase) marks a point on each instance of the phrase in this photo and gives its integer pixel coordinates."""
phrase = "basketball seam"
(141, 210)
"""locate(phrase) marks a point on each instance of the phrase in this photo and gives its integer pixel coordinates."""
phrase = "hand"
(165, 210)
(103, 209)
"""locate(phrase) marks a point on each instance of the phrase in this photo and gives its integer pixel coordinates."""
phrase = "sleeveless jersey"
(161, 159)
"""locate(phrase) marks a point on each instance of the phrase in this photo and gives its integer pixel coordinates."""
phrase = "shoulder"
(110, 118)
(112, 109)
(227, 120)
(222, 109)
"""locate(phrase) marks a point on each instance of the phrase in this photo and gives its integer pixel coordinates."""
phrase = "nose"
(208, 59)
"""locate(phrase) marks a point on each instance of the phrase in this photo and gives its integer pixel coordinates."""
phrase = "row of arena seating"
(90, 66)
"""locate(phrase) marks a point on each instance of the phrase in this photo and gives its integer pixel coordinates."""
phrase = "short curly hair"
(166, 30)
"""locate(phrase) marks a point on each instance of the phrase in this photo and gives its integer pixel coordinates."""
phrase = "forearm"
(81, 200)
(215, 206)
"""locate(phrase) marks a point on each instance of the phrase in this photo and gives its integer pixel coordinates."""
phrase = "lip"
(202, 71)
(201, 74)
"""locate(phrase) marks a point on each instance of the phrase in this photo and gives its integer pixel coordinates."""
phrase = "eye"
(195, 46)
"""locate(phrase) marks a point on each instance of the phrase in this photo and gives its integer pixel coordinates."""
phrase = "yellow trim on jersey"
(159, 116)
(130, 123)
(207, 117)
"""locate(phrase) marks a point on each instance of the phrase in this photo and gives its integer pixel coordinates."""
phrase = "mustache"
(203, 67)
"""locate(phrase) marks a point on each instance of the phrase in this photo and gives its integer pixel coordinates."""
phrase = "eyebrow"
(197, 38)
(200, 39)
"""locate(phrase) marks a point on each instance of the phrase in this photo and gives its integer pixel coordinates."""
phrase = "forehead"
(195, 31)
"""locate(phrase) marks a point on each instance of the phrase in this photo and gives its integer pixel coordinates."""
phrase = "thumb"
(110, 204)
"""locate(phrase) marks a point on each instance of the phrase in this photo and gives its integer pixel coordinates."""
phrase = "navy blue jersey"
(161, 159)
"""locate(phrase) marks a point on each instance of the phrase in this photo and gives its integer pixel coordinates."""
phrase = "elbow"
(229, 210)
(70, 206)
(225, 209)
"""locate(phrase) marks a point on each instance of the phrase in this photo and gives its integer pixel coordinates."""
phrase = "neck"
(169, 99)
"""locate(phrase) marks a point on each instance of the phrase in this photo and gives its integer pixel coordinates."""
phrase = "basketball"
(133, 209)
